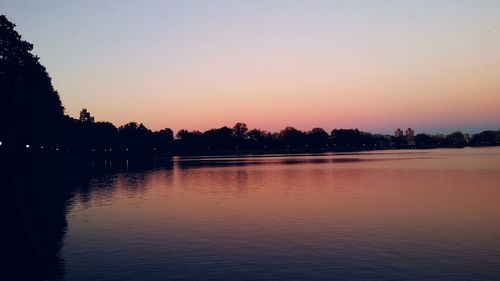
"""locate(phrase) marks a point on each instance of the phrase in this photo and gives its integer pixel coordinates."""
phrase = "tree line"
(133, 140)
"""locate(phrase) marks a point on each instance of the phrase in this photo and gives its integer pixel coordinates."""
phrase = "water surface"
(386, 215)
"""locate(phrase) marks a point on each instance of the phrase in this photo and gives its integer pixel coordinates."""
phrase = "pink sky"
(273, 64)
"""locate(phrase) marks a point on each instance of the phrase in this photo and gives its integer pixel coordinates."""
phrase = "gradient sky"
(373, 65)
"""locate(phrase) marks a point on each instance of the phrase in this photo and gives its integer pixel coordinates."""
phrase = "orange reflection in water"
(385, 205)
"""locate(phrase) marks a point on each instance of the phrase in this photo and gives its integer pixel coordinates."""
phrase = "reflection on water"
(397, 215)
(409, 215)
(34, 200)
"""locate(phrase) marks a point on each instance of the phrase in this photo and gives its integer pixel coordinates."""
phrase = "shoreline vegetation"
(33, 122)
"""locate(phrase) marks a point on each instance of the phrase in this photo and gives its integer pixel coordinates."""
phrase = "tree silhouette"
(164, 141)
(456, 139)
(292, 138)
(239, 133)
(219, 139)
(425, 141)
(317, 138)
(135, 140)
(189, 142)
(259, 139)
(344, 138)
(30, 108)
(486, 138)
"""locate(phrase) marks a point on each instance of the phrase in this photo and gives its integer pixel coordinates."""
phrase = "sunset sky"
(372, 65)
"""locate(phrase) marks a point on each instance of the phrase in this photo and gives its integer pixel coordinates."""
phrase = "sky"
(373, 65)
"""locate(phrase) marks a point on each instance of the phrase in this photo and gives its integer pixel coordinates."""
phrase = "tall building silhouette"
(85, 116)
(410, 134)
(398, 133)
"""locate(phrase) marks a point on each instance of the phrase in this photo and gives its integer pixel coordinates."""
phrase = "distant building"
(398, 133)
(85, 116)
(410, 134)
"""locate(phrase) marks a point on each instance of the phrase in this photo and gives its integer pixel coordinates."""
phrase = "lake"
(383, 215)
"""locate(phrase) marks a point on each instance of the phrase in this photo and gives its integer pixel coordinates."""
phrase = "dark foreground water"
(388, 215)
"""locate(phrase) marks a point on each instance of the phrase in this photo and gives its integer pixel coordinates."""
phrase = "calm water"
(388, 215)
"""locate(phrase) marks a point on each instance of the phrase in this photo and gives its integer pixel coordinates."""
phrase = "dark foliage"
(456, 139)
(347, 139)
(425, 141)
(486, 138)
(292, 138)
(317, 138)
(30, 108)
